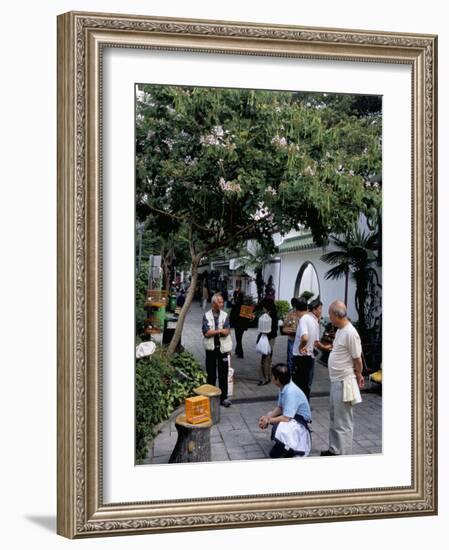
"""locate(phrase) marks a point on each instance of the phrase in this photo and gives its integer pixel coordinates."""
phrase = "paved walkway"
(237, 436)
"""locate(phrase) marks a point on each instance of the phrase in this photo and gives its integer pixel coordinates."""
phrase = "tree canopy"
(237, 164)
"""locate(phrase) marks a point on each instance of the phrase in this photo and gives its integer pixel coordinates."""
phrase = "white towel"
(351, 391)
(294, 436)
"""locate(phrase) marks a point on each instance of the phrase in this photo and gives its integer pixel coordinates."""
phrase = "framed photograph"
(208, 173)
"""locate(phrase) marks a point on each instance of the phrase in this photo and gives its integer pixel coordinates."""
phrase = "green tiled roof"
(299, 242)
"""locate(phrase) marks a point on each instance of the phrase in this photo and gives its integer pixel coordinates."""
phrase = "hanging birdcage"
(264, 324)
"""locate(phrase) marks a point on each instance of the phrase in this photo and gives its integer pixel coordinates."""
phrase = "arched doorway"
(307, 280)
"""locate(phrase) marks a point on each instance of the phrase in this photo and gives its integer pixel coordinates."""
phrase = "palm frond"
(336, 272)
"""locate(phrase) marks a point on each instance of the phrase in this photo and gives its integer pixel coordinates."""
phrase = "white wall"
(329, 290)
(28, 274)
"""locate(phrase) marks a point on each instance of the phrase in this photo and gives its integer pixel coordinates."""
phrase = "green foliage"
(282, 308)
(162, 383)
(140, 297)
(189, 369)
(307, 295)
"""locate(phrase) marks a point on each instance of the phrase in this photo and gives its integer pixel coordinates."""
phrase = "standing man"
(292, 405)
(345, 373)
(238, 323)
(290, 325)
(307, 339)
(218, 345)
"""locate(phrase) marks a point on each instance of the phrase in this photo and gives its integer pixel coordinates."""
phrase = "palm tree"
(356, 256)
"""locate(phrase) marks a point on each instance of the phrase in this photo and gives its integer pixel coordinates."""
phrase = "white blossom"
(210, 139)
(279, 141)
(169, 142)
(190, 161)
(309, 171)
(229, 186)
(218, 131)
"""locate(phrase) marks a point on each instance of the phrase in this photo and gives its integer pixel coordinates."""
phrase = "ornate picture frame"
(82, 38)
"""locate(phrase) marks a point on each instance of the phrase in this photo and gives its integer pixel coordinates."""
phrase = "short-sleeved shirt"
(346, 347)
(308, 324)
(293, 401)
(205, 326)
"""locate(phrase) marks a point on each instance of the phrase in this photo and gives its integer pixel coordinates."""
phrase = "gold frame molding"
(81, 37)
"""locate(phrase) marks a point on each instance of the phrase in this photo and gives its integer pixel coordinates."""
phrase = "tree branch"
(175, 217)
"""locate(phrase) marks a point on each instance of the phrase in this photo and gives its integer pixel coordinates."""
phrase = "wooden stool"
(193, 444)
(214, 394)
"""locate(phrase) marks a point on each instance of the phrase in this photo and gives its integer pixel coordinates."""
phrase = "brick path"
(237, 436)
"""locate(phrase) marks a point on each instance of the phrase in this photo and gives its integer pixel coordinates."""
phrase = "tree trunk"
(346, 287)
(167, 260)
(360, 306)
(193, 444)
(185, 308)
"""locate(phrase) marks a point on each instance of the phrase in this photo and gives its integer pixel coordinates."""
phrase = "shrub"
(282, 308)
(162, 383)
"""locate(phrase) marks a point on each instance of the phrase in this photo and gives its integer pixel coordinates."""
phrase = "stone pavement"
(237, 436)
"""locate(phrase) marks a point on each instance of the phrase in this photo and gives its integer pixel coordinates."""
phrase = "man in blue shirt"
(292, 405)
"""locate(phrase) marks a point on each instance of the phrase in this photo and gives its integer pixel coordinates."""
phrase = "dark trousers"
(238, 338)
(303, 373)
(217, 362)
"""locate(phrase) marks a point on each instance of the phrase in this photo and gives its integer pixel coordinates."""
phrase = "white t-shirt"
(346, 347)
(308, 324)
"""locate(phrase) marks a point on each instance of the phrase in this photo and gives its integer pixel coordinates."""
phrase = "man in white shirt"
(345, 373)
(307, 339)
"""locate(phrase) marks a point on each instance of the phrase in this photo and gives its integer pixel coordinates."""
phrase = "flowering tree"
(229, 165)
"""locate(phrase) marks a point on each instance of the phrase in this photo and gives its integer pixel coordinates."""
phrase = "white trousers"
(341, 427)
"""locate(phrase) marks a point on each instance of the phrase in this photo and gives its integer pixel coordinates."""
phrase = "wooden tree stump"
(214, 395)
(193, 444)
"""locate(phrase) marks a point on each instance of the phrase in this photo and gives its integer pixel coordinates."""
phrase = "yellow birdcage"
(157, 298)
(197, 409)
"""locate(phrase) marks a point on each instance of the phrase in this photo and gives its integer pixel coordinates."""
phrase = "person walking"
(218, 345)
(269, 308)
(345, 373)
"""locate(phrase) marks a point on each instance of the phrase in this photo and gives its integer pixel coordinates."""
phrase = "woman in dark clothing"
(239, 324)
(265, 363)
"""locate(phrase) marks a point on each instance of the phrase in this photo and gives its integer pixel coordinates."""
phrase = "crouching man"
(290, 419)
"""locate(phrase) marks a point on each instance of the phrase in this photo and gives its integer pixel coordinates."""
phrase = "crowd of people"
(291, 418)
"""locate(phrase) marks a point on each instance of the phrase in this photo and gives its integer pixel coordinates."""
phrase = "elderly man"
(218, 345)
(292, 408)
(345, 373)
